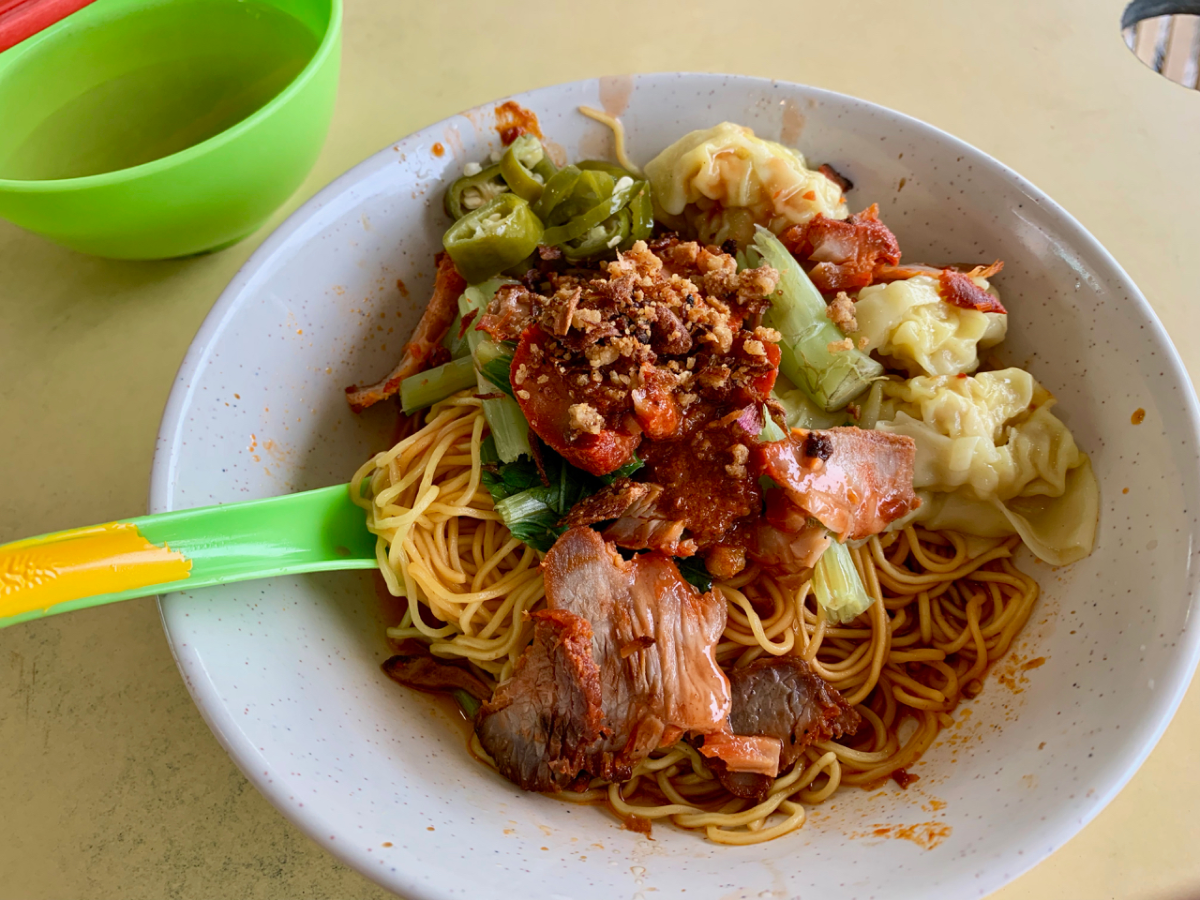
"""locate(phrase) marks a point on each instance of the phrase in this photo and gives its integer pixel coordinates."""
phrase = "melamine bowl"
(287, 674)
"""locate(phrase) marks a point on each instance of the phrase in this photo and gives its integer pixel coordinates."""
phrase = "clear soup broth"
(144, 86)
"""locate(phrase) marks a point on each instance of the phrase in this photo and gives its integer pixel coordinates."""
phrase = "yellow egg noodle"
(947, 607)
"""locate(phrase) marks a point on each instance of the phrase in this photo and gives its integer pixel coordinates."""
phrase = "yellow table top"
(112, 785)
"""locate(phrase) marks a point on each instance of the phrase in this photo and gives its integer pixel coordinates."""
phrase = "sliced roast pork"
(415, 667)
(854, 482)
(541, 723)
(779, 698)
(653, 649)
(637, 523)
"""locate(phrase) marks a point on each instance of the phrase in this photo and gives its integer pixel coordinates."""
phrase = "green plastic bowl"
(194, 177)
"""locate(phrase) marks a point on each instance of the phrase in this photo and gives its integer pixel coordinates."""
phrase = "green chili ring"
(641, 210)
(600, 165)
(545, 168)
(499, 234)
(558, 188)
(584, 222)
(519, 178)
(488, 183)
(608, 235)
(517, 167)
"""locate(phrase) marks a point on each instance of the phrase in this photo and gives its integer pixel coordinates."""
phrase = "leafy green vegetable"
(624, 472)
(694, 572)
(530, 508)
(831, 378)
(504, 480)
(532, 516)
(837, 586)
(454, 342)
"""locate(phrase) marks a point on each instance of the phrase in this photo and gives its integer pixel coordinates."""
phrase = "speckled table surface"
(113, 787)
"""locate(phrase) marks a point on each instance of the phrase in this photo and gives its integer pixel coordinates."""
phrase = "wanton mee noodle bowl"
(1020, 749)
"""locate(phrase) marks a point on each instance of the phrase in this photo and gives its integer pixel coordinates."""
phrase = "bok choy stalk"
(468, 704)
(505, 420)
(455, 342)
(830, 378)
(428, 387)
(771, 431)
(495, 363)
(800, 412)
(838, 588)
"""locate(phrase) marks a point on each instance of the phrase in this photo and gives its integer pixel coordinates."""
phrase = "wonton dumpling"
(909, 322)
(992, 460)
(1059, 530)
(991, 434)
(719, 182)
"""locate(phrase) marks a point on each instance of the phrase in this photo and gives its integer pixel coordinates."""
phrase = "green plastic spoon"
(313, 531)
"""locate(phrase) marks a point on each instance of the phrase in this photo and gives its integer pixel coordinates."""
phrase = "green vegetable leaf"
(504, 480)
(532, 516)
(624, 472)
(505, 419)
(694, 571)
(454, 342)
(495, 363)
(529, 507)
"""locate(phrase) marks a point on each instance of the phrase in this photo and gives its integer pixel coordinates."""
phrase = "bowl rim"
(328, 42)
(1056, 830)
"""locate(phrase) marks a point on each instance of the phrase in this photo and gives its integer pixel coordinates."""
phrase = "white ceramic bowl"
(286, 672)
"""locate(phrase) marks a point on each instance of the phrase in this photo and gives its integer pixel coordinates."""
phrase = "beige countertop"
(113, 787)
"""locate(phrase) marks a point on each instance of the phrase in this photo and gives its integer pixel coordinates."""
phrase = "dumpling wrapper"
(717, 183)
(909, 323)
(991, 434)
(1058, 530)
(992, 461)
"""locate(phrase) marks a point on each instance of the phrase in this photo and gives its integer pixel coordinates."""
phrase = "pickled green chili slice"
(608, 235)
(579, 225)
(600, 165)
(545, 168)
(641, 210)
(472, 191)
(558, 188)
(591, 189)
(527, 149)
(517, 167)
(494, 237)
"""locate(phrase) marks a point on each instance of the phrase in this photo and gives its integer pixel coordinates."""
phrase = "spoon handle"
(313, 531)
